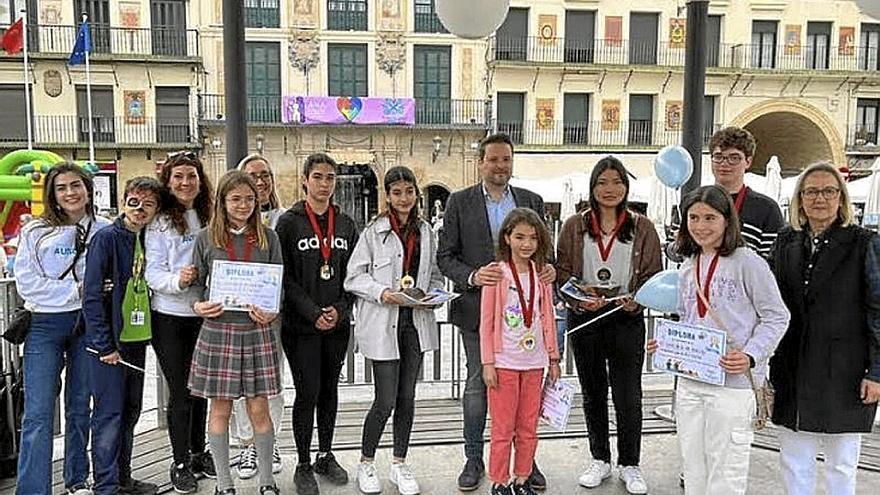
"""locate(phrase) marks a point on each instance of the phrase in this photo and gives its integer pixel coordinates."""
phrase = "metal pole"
(234, 80)
(694, 87)
(27, 82)
(88, 49)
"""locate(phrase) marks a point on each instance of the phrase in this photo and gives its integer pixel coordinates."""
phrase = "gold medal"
(407, 282)
(326, 272)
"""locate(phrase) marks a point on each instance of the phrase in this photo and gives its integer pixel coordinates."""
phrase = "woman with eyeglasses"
(49, 268)
(170, 240)
(258, 168)
(826, 370)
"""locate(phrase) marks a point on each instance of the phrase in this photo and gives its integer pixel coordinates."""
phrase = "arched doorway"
(434, 196)
(797, 133)
(357, 193)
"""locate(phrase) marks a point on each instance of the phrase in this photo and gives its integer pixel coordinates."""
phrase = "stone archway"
(432, 194)
(796, 132)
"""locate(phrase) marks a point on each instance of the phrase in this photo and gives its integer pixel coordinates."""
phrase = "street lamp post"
(234, 80)
(694, 87)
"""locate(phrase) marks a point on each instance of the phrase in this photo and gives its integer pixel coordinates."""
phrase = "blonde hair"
(256, 157)
(219, 226)
(796, 214)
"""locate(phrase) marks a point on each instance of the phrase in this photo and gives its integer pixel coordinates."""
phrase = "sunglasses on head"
(181, 156)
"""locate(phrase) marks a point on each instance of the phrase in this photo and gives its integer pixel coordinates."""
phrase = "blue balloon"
(660, 292)
(673, 166)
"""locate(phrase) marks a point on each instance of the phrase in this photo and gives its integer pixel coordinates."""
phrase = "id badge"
(138, 318)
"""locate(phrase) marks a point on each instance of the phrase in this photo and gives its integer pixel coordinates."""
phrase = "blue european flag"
(82, 46)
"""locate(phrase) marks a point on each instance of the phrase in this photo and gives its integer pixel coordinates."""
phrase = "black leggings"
(174, 339)
(395, 383)
(315, 362)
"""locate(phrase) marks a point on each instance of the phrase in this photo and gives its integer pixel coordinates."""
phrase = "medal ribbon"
(741, 198)
(325, 242)
(409, 242)
(701, 308)
(249, 241)
(528, 310)
(605, 251)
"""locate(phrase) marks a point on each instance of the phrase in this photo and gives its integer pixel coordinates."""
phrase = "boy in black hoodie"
(316, 243)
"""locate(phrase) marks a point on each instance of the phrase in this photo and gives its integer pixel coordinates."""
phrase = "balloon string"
(594, 320)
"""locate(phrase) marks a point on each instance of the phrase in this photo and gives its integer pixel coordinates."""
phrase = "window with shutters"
(347, 69)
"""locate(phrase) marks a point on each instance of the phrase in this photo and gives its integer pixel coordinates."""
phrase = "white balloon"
(471, 19)
(869, 7)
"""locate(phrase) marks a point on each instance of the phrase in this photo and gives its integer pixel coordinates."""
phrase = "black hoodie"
(305, 293)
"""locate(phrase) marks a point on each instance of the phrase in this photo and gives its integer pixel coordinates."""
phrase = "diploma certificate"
(690, 351)
(556, 402)
(239, 285)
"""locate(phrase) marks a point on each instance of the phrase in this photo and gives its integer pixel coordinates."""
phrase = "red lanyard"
(324, 242)
(249, 241)
(528, 310)
(605, 251)
(701, 308)
(741, 198)
(409, 242)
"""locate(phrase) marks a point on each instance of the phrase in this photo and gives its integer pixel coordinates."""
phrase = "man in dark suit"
(466, 255)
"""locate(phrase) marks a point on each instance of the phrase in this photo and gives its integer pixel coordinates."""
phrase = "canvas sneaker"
(247, 462)
(403, 477)
(595, 474)
(632, 476)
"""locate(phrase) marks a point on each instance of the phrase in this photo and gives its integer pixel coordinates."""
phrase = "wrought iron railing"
(74, 129)
(146, 42)
(623, 134)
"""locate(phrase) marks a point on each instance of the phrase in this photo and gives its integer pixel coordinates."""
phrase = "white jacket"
(167, 252)
(44, 253)
(377, 264)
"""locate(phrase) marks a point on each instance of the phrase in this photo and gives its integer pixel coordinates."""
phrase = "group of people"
(803, 298)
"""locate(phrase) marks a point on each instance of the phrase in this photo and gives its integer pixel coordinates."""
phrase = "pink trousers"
(514, 405)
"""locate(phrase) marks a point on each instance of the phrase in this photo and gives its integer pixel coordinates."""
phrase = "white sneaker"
(402, 476)
(595, 474)
(247, 462)
(79, 490)
(368, 478)
(277, 465)
(632, 476)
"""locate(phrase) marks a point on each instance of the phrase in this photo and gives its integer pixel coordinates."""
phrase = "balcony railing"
(74, 129)
(596, 134)
(730, 55)
(430, 112)
(139, 42)
(347, 20)
(862, 136)
(428, 22)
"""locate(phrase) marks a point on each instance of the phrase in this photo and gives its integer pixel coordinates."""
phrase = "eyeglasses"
(733, 159)
(828, 193)
(262, 176)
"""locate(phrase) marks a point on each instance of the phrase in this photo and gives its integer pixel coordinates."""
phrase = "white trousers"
(240, 423)
(798, 461)
(715, 434)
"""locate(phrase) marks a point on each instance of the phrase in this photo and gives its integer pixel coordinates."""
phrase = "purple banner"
(332, 110)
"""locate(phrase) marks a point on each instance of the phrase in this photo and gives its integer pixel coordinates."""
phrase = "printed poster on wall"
(135, 103)
(610, 115)
(677, 33)
(545, 109)
(547, 28)
(613, 31)
(792, 39)
(673, 115)
(846, 41)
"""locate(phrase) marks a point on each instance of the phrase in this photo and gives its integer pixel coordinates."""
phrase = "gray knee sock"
(265, 444)
(220, 451)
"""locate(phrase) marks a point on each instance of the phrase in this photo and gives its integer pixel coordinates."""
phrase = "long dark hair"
(627, 230)
(53, 214)
(718, 199)
(204, 201)
(528, 217)
(397, 174)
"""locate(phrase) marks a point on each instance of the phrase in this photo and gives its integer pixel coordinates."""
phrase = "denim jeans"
(50, 346)
(475, 403)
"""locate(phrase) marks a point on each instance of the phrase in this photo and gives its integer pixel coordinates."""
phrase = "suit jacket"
(466, 244)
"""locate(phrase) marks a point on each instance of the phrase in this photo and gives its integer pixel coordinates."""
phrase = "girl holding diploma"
(396, 252)
(236, 354)
(738, 295)
(517, 342)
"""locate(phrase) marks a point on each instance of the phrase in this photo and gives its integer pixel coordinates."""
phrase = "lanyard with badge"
(325, 242)
(604, 275)
(409, 242)
(136, 324)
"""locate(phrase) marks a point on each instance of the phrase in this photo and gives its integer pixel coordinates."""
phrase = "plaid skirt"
(233, 360)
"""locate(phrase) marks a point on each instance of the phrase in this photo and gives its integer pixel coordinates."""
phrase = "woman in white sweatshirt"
(169, 246)
(49, 269)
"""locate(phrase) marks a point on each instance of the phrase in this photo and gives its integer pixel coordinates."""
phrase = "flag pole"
(27, 82)
(88, 48)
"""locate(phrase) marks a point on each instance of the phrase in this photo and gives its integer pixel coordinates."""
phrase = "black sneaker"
(203, 465)
(269, 490)
(537, 480)
(304, 479)
(80, 489)
(182, 479)
(524, 489)
(327, 466)
(471, 475)
(501, 489)
(132, 486)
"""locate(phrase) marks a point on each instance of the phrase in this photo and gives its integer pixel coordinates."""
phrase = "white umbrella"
(773, 184)
(872, 204)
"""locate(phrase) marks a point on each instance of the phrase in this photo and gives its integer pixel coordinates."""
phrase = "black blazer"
(466, 244)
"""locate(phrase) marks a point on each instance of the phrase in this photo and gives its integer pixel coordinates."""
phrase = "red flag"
(13, 39)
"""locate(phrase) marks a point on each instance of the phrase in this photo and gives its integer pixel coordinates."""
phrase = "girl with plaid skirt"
(236, 352)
